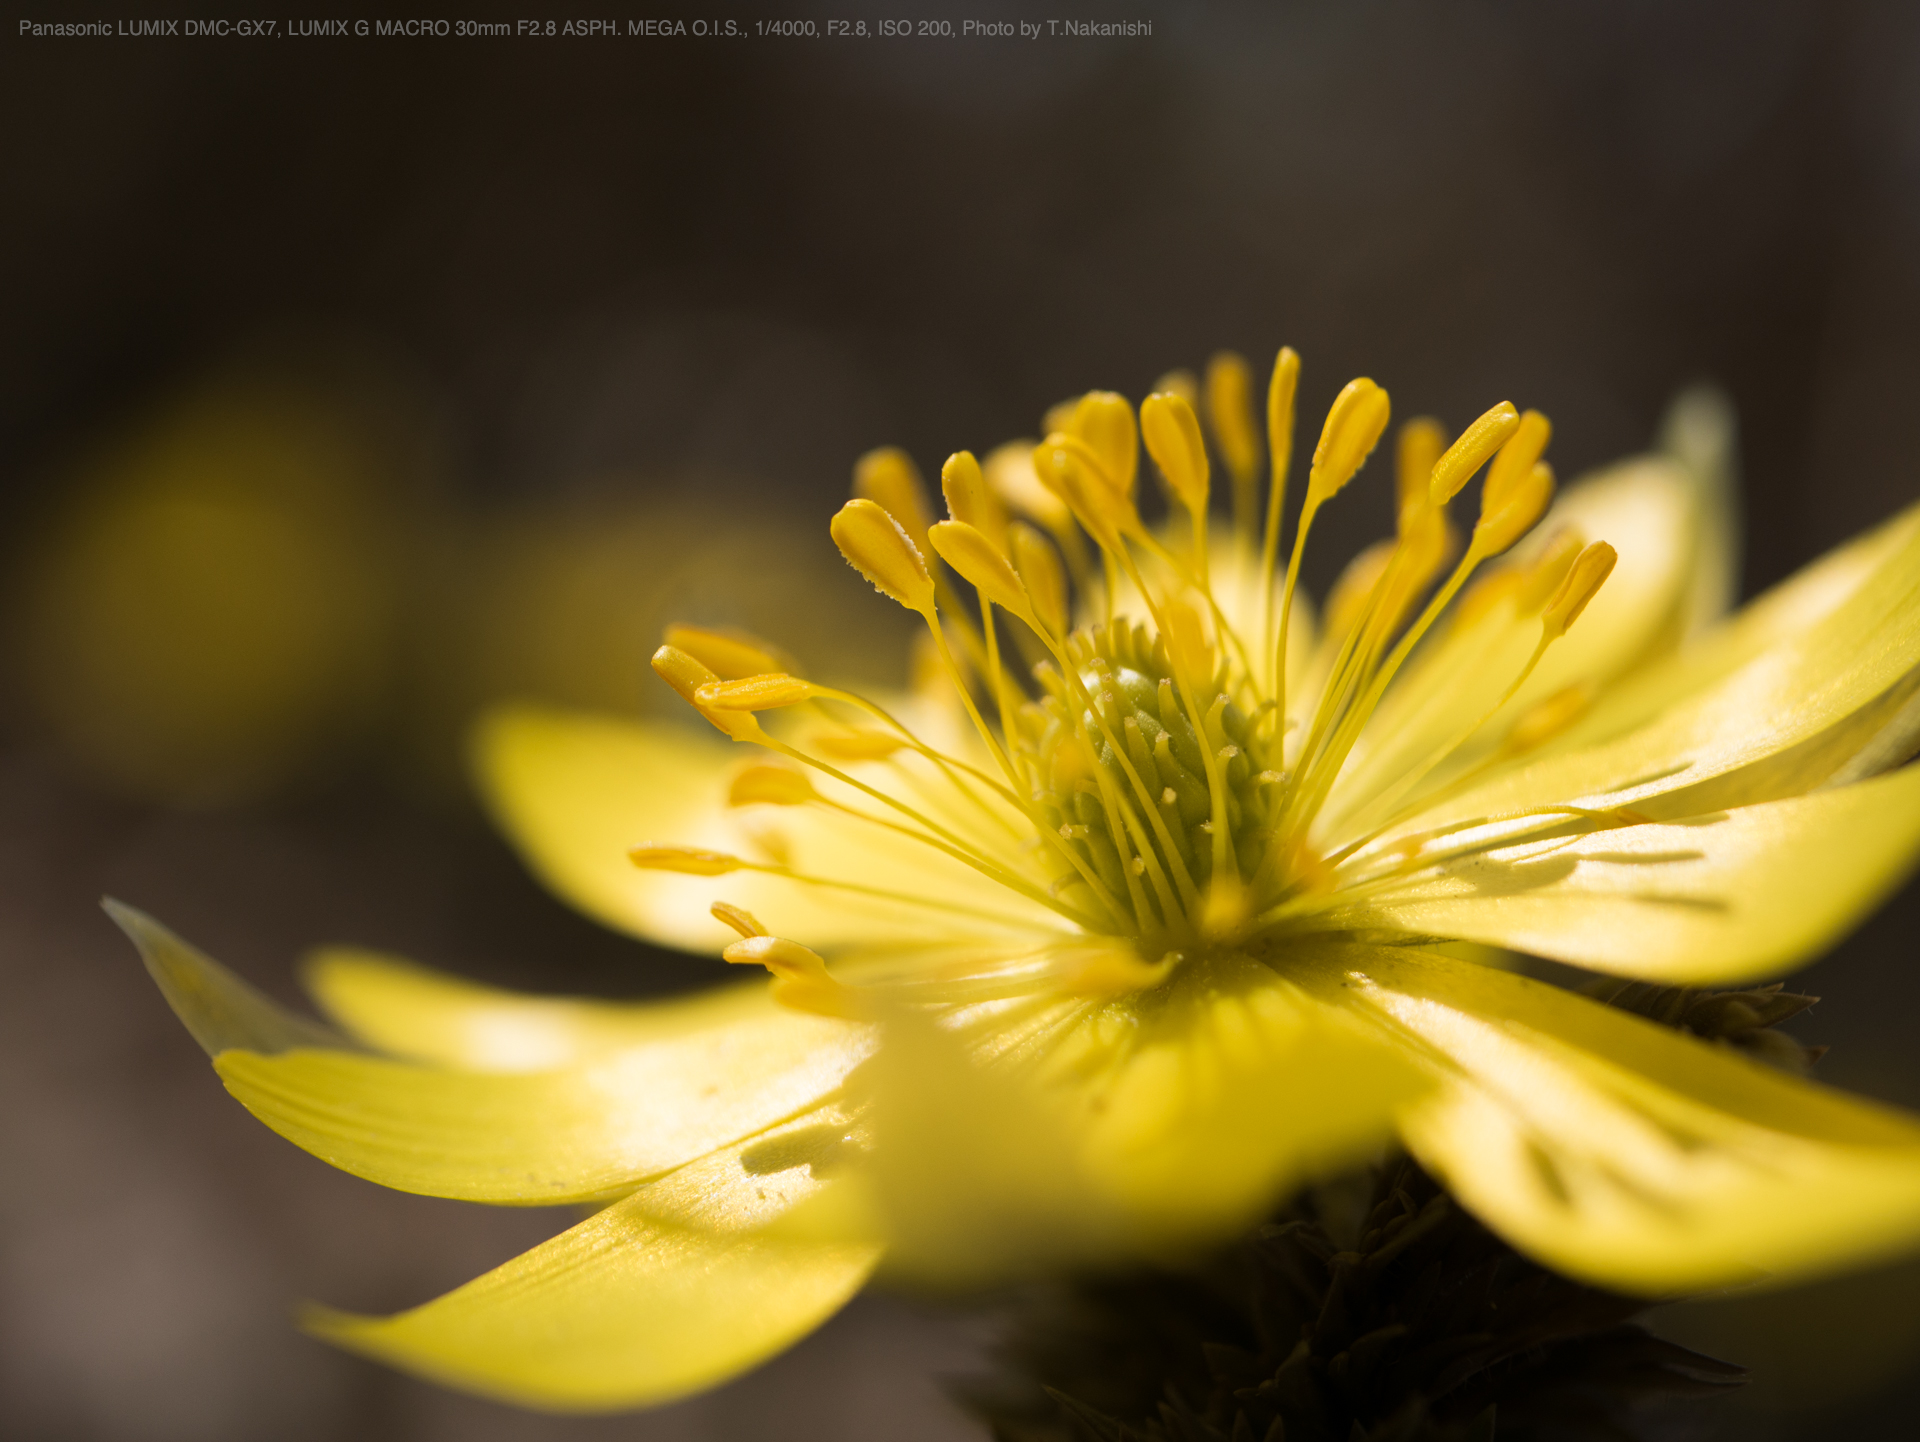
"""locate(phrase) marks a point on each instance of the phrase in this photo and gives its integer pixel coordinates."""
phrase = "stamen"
(980, 562)
(1354, 423)
(1104, 420)
(687, 676)
(875, 545)
(728, 653)
(1068, 466)
(1172, 434)
(697, 861)
(1229, 396)
(970, 499)
(685, 860)
(1524, 505)
(737, 917)
(859, 744)
(889, 478)
(1009, 471)
(800, 978)
(1465, 456)
(1492, 535)
(1280, 394)
(758, 693)
(1517, 457)
(1038, 566)
(1589, 572)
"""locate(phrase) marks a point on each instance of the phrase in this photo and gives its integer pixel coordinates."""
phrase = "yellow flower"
(1105, 964)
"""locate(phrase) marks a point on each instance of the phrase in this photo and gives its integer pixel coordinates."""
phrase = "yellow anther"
(1540, 582)
(1280, 394)
(1038, 566)
(1180, 383)
(1515, 518)
(1588, 573)
(738, 917)
(1104, 420)
(976, 558)
(1059, 416)
(1548, 719)
(769, 783)
(729, 654)
(1422, 440)
(970, 499)
(878, 548)
(1011, 476)
(800, 978)
(889, 478)
(686, 674)
(1354, 423)
(860, 744)
(687, 860)
(1515, 459)
(756, 693)
(1172, 434)
(1474, 448)
(1230, 414)
(1068, 467)
(1347, 602)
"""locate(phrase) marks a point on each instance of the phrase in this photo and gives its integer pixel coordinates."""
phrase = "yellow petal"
(669, 1291)
(712, 1071)
(411, 1011)
(576, 792)
(217, 1007)
(1074, 1131)
(1235, 1090)
(585, 1133)
(1725, 897)
(1630, 1155)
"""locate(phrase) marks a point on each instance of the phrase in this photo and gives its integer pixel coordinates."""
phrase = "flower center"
(1166, 781)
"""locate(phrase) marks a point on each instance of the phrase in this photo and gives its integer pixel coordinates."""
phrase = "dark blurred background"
(351, 383)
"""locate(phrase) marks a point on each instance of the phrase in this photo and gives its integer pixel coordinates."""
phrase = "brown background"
(617, 273)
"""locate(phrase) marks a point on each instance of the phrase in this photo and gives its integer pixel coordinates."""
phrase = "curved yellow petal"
(673, 1289)
(576, 792)
(585, 1133)
(411, 1011)
(1630, 1155)
(1807, 683)
(1725, 897)
(217, 1007)
(1062, 1131)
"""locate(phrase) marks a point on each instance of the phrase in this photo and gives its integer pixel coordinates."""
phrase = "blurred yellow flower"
(1107, 966)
